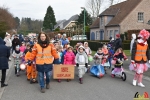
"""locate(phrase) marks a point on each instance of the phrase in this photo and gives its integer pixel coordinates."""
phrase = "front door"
(92, 36)
(101, 35)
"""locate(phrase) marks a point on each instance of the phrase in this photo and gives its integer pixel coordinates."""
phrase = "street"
(106, 88)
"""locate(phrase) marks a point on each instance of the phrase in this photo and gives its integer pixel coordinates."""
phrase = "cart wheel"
(124, 76)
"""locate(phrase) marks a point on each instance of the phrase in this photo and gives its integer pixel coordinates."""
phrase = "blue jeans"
(110, 59)
(41, 78)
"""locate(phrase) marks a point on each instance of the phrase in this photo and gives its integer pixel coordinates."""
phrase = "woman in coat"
(44, 53)
(4, 57)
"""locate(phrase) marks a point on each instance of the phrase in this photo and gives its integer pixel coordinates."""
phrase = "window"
(140, 17)
(102, 21)
(111, 33)
(97, 35)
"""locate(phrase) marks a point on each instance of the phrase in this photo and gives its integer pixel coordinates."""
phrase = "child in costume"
(119, 56)
(17, 55)
(31, 69)
(98, 69)
(22, 47)
(81, 61)
(105, 57)
(140, 56)
(69, 58)
(110, 54)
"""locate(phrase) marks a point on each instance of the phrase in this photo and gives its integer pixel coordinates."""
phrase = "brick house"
(119, 18)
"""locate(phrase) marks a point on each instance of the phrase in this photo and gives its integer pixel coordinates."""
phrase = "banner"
(63, 72)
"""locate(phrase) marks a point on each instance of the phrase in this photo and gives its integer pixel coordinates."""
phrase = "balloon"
(22, 66)
(90, 58)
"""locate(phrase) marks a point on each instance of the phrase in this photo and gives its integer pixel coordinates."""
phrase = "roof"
(95, 23)
(73, 18)
(120, 11)
(58, 23)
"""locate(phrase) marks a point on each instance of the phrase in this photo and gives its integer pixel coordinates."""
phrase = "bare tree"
(94, 7)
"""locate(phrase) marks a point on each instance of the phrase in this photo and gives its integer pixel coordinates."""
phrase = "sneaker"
(3, 85)
(47, 86)
(134, 83)
(141, 85)
(112, 75)
(42, 90)
(59, 80)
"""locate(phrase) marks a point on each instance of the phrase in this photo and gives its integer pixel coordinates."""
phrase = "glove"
(86, 65)
(77, 64)
(29, 62)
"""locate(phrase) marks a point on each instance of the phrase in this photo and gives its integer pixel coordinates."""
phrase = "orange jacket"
(27, 56)
(141, 52)
(44, 55)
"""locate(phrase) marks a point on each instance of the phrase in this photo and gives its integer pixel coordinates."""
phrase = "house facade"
(119, 18)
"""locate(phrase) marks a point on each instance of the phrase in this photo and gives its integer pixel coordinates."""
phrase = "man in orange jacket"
(31, 70)
(45, 54)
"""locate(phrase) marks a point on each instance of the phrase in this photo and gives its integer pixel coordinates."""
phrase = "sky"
(36, 9)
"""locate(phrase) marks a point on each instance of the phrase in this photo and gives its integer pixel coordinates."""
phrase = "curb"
(7, 78)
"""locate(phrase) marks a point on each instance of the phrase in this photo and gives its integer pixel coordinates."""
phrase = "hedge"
(94, 45)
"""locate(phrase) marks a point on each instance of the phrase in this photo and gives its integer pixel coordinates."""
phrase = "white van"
(79, 37)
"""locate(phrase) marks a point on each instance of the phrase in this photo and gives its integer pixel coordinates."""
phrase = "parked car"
(79, 37)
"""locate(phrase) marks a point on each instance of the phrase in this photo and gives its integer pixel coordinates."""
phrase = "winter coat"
(120, 56)
(118, 43)
(69, 58)
(17, 56)
(15, 42)
(8, 42)
(81, 58)
(22, 48)
(98, 58)
(64, 41)
(88, 50)
(21, 38)
(4, 55)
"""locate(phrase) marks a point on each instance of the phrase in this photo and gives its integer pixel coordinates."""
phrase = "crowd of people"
(40, 54)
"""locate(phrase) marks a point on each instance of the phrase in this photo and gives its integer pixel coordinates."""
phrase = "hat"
(70, 47)
(144, 34)
(64, 35)
(110, 38)
(81, 47)
(118, 35)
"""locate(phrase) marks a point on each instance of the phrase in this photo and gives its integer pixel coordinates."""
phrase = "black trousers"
(3, 76)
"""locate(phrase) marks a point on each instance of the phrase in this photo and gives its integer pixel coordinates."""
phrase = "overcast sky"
(36, 9)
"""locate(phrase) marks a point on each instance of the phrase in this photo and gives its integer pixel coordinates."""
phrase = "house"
(124, 16)
(64, 24)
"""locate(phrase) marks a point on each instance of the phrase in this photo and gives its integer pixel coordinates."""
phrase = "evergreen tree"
(49, 19)
(88, 19)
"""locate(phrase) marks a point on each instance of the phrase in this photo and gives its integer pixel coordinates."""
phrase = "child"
(17, 55)
(31, 70)
(23, 47)
(119, 56)
(105, 57)
(111, 53)
(81, 59)
(98, 57)
(140, 56)
(69, 58)
(27, 49)
(87, 48)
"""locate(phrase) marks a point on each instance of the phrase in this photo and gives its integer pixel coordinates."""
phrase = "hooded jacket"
(81, 58)
(4, 55)
(69, 58)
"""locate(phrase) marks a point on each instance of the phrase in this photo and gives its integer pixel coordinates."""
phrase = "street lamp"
(84, 19)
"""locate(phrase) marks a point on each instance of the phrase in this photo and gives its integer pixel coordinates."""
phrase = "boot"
(59, 80)
(141, 85)
(47, 86)
(134, 82)
(42, 90)
(3, 85)
(80, 80)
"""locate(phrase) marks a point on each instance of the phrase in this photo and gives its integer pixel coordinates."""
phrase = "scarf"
(17, 52)
(43, 44)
